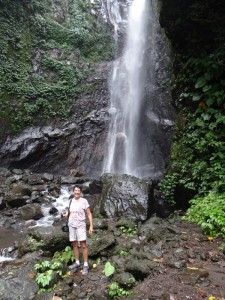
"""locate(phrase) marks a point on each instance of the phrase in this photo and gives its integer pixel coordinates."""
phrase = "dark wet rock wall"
(77, 143)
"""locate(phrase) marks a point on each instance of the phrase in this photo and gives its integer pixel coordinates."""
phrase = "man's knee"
(83, 244)
(75, 244)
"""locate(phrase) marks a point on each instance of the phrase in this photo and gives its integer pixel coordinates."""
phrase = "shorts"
(77, 234)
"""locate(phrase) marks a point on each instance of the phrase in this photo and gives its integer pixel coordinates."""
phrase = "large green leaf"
(200, 82)
(109, 269)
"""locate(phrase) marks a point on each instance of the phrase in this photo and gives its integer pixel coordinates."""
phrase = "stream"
(8, 237)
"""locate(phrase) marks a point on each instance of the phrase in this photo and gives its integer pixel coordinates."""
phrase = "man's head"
(76, 192)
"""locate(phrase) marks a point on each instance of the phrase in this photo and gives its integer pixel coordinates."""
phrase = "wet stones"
(2, 203)
(19, 283)
(192, 276)
(124, 195)
(125, 279)
(13, 200)
(101, 244)
(43, 238)
(140, 268)
(31, 211)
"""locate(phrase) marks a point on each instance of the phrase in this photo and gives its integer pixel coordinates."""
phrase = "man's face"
(76, 193)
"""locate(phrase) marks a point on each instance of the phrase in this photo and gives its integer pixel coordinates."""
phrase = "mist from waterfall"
(127, 91)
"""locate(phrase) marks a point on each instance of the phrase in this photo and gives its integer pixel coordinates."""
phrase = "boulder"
(155, 229)
(124, 196)
(20, 284)
(17, 171)
(126, 223)
(35, 179)
(40, 188)
(2, 203)
(68, 180)
(85, 187)
(31, 211)
(93, 201)
(47, 177)
(13, 200)
(43, 238)
(140, 269)
(53, 210)
(125, 279)
(4, 172)
(22, 189)
(101, 244)
(100, 224)
(95, 187)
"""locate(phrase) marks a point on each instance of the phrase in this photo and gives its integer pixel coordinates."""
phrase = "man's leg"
(76, 250)
(84, 249)
(75, 266)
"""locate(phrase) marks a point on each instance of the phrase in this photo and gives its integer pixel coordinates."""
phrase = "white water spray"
(127, 86)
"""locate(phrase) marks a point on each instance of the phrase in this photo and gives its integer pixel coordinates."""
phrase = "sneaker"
(74, 267)
(85, 270)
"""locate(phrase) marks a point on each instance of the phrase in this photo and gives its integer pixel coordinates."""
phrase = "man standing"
(77, 228)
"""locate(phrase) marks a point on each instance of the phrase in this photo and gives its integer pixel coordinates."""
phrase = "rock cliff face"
(78, 143)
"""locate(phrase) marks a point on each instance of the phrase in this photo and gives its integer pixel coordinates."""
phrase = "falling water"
(137, 107)
(126, 92)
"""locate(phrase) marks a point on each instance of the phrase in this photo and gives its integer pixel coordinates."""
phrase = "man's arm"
(89, 215)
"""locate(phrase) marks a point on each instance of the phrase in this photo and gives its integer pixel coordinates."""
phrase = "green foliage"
(50, 271)
(65, 256)
(198, 151)
(47, 273)
(116, 291)
(109, 269)
(209, 213)
(222, 247)
(197, 31)
(45, 59)
(128, 231)
(123, 253)
(44, 279)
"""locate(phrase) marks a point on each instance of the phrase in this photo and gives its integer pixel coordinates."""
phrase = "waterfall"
(136, 103)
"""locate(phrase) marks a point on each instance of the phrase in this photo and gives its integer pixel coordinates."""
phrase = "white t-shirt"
(77, 212)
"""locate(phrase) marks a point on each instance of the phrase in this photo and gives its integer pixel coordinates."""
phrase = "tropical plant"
(109, 269)
(209, 213)
(49, 272)
(116, 291)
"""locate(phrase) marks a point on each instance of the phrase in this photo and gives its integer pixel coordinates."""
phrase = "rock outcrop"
(78, 143)
(126, 196)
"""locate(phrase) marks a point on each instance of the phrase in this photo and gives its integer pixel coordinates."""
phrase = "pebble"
(82, 295)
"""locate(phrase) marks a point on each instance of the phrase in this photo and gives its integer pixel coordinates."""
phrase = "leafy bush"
(209, 213)
(128, 231)
(116, 291)
(65, 256)
(123, 253)
(49, 272)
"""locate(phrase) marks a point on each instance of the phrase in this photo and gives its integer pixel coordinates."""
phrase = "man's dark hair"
(77, 187)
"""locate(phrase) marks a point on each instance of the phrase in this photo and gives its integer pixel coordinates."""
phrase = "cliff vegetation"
(197, 163)
(47, 49)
